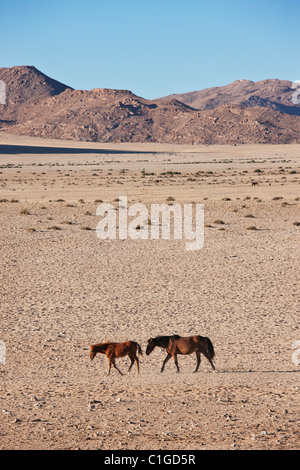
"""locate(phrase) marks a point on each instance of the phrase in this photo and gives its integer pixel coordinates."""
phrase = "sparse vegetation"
(24, 211)
(219, 222)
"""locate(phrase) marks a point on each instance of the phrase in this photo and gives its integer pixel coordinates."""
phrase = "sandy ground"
(63, 289)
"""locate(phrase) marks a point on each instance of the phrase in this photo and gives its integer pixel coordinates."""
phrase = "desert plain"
(62, 289)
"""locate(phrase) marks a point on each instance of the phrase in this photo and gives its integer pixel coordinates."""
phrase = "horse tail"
(210, 348)
(139, 349)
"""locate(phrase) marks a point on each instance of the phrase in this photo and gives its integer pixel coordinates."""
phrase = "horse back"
(185, 344)
(123, 349)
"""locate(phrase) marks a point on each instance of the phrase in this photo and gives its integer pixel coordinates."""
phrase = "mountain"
(26, 83)
(274, 94)
(26, 87)
(242, 112)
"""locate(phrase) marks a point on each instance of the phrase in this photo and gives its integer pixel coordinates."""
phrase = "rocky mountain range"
(242, 112)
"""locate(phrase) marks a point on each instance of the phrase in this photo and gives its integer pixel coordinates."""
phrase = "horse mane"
(165, 339)
(100, 345)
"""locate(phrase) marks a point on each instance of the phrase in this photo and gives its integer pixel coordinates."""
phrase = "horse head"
(151, 346)
(93, 352)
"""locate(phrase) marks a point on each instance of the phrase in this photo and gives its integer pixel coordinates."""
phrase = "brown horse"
(114, 350)
(175, 345)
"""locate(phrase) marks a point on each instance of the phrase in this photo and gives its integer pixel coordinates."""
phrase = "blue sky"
(153, 48)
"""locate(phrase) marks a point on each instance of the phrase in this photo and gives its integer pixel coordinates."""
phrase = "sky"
(153, 48)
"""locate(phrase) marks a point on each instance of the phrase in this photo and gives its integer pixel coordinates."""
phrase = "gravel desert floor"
(63, 289)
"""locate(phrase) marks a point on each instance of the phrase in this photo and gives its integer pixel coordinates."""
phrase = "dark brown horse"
(175, 345)
(114, 350)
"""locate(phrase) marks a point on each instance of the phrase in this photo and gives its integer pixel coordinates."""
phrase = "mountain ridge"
(241, 112)
(273, 90)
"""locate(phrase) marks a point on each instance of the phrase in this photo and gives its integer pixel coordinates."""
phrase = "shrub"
(24, 211)
(220, 222)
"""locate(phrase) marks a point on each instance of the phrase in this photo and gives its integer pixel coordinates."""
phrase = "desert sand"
(63, 289)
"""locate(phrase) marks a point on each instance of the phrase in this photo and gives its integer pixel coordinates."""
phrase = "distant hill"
(27, 84)
(242, 112)
(274, 94)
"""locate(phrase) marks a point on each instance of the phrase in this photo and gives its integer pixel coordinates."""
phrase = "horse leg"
(132, 361)
(209, 359)
(137, 364)
(176, 362)
(198, 355)
(114, 364)
(165, 361)
(109, 366)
